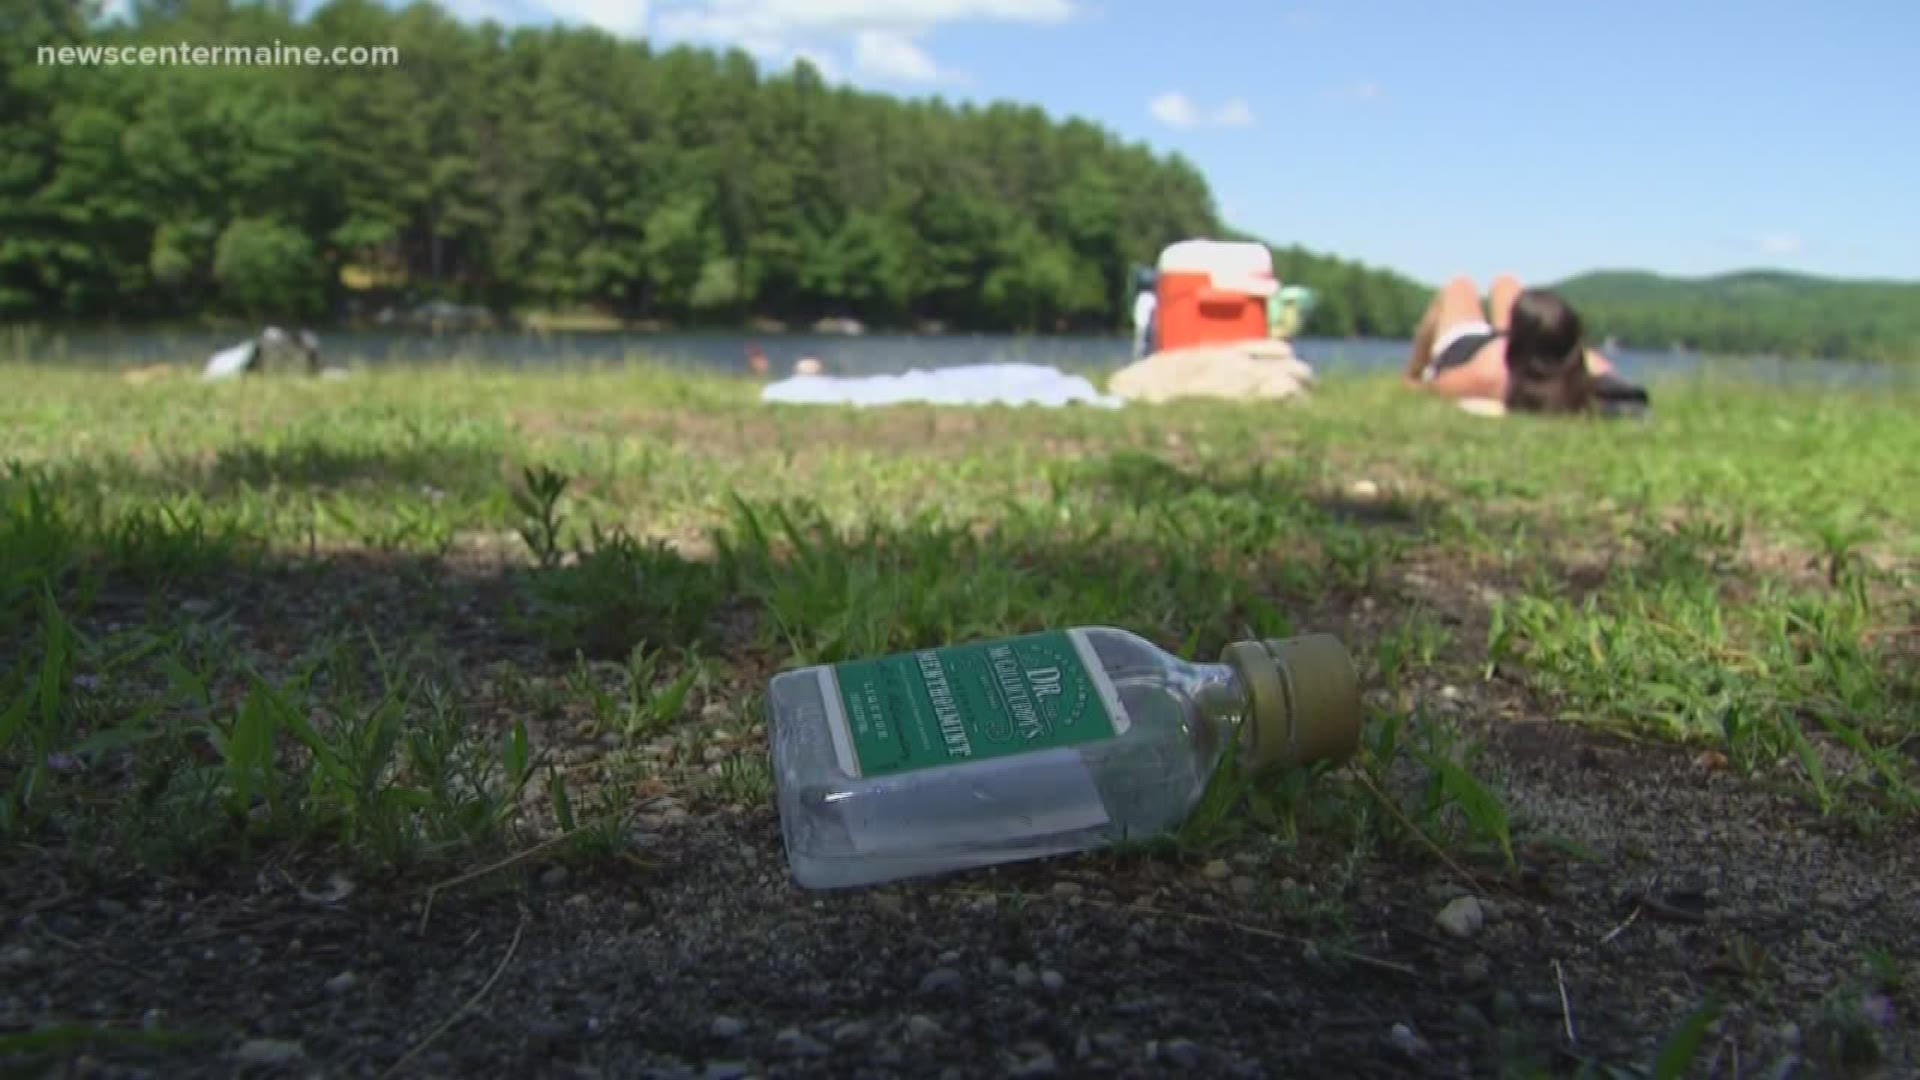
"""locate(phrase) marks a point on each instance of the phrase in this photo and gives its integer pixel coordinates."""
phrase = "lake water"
(870, 354)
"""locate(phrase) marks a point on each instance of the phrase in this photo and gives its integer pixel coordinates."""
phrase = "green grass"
(1736, 575)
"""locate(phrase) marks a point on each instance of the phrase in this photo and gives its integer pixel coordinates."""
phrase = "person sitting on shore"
(1531, 356)
(1146, 309)
(248, 357)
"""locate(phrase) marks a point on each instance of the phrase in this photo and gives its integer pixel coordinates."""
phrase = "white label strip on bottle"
(1006, 802)
(837, 722)
(1102, 682)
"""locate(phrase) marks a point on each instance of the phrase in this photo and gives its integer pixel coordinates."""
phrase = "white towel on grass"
(973, 384)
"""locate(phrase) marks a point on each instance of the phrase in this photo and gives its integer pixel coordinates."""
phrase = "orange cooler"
(1213, 292)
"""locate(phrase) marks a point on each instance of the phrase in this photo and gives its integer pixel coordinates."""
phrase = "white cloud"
(730, 18)
(1781, 243)
(1177, 110)
(885, 39)
(1234, 114)
(1174, 110)
(887, 54)
(624, 17)
(1365, 91)
(882, 40)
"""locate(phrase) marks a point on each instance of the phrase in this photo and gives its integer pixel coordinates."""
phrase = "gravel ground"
(695, 956)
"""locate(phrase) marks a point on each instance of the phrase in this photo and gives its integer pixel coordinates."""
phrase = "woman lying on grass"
(1531, 356)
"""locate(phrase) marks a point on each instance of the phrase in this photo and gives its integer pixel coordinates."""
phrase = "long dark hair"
(1547, 356)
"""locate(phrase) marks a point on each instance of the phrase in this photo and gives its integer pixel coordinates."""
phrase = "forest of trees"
(563, 169)
(550, 169)
(1353, 299)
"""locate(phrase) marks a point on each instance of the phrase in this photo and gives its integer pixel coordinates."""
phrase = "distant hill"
(1755, 311)
(1751, 312)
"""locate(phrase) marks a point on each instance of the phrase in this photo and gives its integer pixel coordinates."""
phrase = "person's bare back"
(1460, 350)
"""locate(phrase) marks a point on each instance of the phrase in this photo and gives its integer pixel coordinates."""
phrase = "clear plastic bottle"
(998, 751)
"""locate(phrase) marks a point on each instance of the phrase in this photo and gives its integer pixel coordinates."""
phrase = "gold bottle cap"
(1305, 699)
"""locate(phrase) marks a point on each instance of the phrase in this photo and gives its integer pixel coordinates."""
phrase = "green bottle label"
(969, 702)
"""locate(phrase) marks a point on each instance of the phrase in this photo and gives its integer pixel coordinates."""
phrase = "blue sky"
(1464, 137)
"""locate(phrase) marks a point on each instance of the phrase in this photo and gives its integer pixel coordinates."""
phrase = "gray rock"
(554, 877)
(1184, 1053)
(342, 982)
(1111, 1043)
(1023, 977)
(852, 1031)
(798, 1043)
(1407, 1041)
(941, 980)
(1067, 890)
(1462, 917)
(725, 1070)
(1239, 1068)
(921, 1028)
(1243, 887)
(1038, 1063)
(16, 956)
(1053, 981)
(550, 1034)
(728, 1027)
(269, 1052)
(1217, 870)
